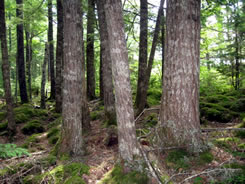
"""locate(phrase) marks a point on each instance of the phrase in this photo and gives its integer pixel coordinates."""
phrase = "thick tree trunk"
(20, 54)
(59, 57)
(143, 57)
(120, 69)
(51, 48)
(71, 136)
(43, 83)
(90, 51)
(6, 71)
(147, 75)
(179, 114)
(108, 95)
(28, 62)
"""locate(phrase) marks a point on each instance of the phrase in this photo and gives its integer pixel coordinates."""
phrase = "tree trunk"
(6, 71)
(28, 62)
(163, 41)
(59, 57)
(179, 113)
(142, 51)
(51, 48)
(90, 51)
(43, 83)
(237, 63)
(120, 69)
(20, 54)
(108, 96)
(147, 75)
(71, 136)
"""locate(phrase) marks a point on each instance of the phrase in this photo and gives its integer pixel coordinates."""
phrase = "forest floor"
(225, 158)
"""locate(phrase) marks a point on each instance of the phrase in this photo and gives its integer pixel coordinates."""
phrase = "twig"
(151, 168)
(150, 109)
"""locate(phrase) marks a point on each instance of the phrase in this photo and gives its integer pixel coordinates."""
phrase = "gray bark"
(71, 135)
(108, 95)
(179, 113)
(43, 82)
(6, 71)
(120, 70)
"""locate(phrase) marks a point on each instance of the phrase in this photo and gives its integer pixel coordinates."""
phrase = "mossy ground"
(117, 176)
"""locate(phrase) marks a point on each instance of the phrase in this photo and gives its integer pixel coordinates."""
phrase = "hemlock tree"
(90, 51)
(142, 51)
(108, 95)
(144, 84)
(51, 48)
(71, 134)
(43, 82)
(120, 70)
(6, 70)
(59, 57)
(20, 54)
(179, 114)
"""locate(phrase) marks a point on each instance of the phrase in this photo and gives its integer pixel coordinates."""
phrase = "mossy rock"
(31, 127)
(204, 158)
(3, 126)
(63, 173)
(117, 176)
(215, 112)
(3, 115)
(23, 113)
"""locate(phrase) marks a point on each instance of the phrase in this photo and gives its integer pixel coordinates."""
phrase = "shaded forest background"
(37, 104)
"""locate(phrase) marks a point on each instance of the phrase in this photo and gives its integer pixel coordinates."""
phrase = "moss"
(74, 180)
(178, 159)
(240, 134)
(31, 140)
(117, 176)
(215, 112)
(64, 174)
(94, 115)
(33, 126)
(241, 146)
(3, 172)
(53, 132)
(204, 158)
(53, 140)
(55, 123)
(151, 120)
(237, 178)
(154, 96)
(3, 126)
(3, 115)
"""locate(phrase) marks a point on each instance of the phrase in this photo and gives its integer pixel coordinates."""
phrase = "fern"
(11, 150)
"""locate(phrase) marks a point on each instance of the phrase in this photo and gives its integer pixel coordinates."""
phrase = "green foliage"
(94, 115)
(237, 178)
(64, 174)
(178, 159)
(154, 96)
(31, 127)
(11, 150)
(117, 176)
(216, 112)
(30, 141)
(198, 180)
(151, 120)
(3, 115)
(3, 126)
(182, 159)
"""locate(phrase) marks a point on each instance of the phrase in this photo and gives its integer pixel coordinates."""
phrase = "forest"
(122, 91)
